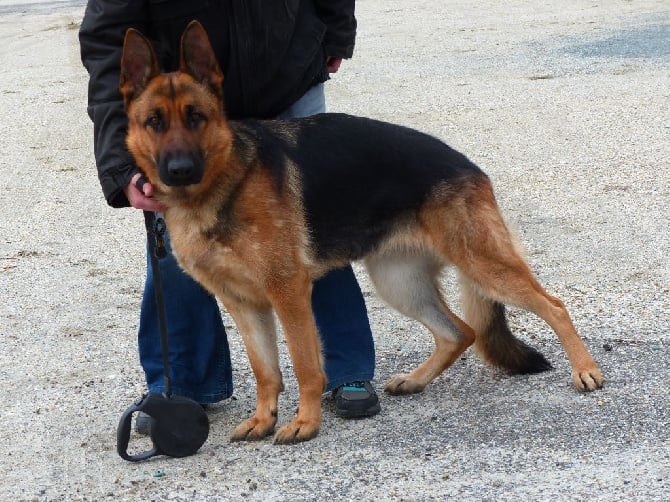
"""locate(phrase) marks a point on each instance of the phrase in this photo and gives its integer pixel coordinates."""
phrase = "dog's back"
(360, 178)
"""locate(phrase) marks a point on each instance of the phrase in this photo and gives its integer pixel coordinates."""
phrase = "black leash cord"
(156, 228)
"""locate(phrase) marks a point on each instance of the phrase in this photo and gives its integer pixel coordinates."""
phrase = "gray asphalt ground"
(564, 104)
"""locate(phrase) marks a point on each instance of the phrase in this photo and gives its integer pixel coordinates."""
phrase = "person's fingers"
(333, 64)
(139, 192)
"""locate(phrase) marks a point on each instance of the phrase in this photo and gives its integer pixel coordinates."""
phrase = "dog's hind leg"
(512, 282)
(408, 282)
(257, 327)
(472, 235)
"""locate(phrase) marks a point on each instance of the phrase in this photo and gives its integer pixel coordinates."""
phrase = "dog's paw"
(297, 431)
(253, 429)
(404, 384)
(588, 379)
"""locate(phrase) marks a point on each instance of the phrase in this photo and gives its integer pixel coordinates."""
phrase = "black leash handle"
(123, 435)
(180, 425)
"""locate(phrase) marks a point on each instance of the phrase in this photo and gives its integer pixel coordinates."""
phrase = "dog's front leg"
(257, 327)
(293, 305)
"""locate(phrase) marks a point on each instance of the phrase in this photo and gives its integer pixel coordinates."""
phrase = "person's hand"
(141, 199)
(333, 64)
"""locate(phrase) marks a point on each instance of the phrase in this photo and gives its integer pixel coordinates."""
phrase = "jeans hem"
(206, 398)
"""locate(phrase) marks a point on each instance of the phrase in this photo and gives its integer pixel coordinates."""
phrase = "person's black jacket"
(271, 52)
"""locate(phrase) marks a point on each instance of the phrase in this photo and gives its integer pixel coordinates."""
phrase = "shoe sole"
(368, 412)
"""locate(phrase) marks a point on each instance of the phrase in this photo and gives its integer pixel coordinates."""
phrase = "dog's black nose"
(177, 169)
(180, 167)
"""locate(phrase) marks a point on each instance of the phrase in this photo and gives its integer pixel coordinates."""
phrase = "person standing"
(275, 56)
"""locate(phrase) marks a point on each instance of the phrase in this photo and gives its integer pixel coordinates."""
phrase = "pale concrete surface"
(564, 104)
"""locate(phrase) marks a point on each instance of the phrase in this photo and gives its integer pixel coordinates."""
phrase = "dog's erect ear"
(138, 65)
(198, 58)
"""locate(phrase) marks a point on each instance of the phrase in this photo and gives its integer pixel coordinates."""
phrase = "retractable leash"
(180, 425)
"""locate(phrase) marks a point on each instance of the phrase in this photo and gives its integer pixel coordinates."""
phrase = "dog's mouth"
(180, 168)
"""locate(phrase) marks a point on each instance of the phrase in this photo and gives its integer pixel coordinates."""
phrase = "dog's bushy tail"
(494, 341)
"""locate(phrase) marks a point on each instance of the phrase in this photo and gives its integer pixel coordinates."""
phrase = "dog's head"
(173, 118)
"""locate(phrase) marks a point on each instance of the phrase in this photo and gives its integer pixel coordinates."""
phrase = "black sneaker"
(356, 400)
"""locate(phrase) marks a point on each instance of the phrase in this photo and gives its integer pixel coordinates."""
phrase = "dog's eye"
(194, 118)
(155, 122)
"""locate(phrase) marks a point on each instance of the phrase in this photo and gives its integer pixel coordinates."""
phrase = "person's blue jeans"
(200, 365)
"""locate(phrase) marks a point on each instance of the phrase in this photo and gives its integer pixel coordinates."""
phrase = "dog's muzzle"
(180, 168)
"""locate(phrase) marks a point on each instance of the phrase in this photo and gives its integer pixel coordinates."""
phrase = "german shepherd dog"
(257, 210)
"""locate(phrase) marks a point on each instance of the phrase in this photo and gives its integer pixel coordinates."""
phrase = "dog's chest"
(218, 266)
